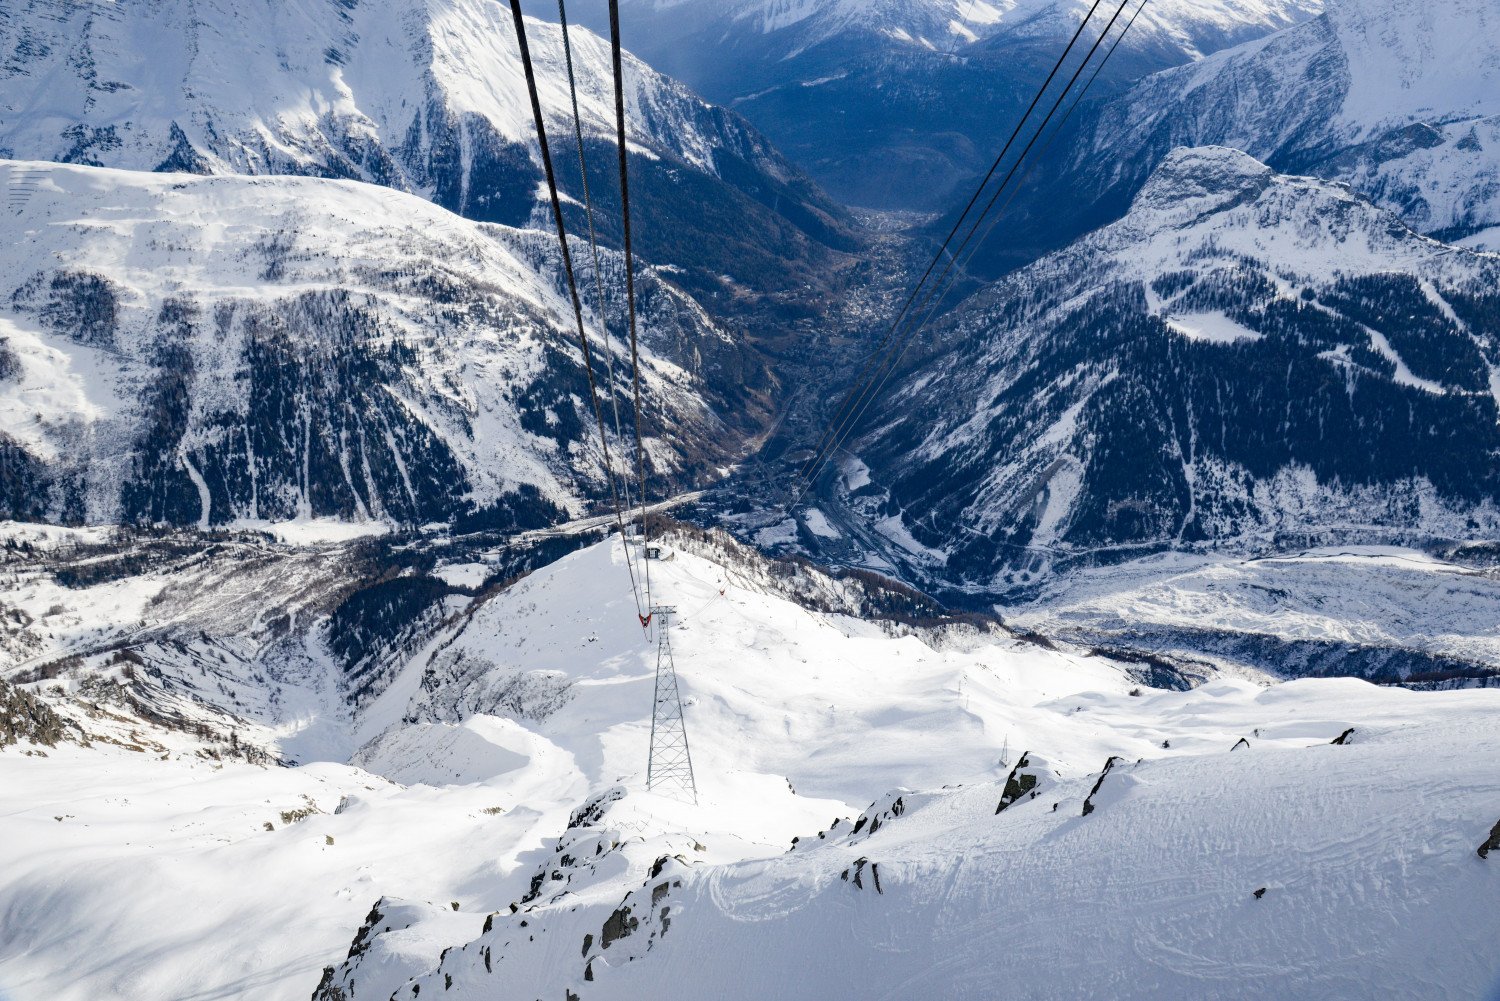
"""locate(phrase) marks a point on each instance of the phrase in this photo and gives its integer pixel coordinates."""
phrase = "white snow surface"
(1212, 327)
(160, 880)
(1365, 854)
(818, 524)
(1418, 59)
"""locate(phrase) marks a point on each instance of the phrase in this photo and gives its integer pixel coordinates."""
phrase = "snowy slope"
(1363, 856)
(537, 759)
(1244, 356)
(527, 790)
(201, 350)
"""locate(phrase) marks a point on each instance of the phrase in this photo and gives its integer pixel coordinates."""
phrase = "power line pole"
(671, 764)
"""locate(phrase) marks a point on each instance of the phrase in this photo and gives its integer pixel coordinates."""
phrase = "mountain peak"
(1192, 181)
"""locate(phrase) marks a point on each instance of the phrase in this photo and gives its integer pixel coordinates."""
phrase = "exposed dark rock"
(1088, 804)
(1493, 843)
(1018, 784)
(327, 990)
(859, 871)
(1242, 742)
(24, 717)
(536, 887)
(1260, 893)
(593, 811)
(619, 924)
(366, 933)
(183, 158)
(1343, 738)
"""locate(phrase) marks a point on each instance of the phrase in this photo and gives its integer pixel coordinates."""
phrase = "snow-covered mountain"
(369, 90)
(206, 350)
(427, 98)
(323, 673)
(1245, 356)
(1196, 26)
(494, 756)
(898, 103)
(1398, 98)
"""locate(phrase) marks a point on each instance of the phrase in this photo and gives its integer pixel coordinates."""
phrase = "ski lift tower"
(670, 768)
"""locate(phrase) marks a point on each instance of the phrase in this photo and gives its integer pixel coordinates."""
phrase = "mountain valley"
(1100, 601)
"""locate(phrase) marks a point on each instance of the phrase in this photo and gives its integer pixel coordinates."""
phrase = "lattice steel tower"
(671, 766)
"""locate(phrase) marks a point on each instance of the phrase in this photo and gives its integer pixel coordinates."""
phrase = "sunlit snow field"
(148, 871)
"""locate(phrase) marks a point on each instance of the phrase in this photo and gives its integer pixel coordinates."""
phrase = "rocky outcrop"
(1088, 803)
(26, 719)
(1493, 844)
(1021, 782)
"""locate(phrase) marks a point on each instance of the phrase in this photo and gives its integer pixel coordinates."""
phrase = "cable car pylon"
(670, 767)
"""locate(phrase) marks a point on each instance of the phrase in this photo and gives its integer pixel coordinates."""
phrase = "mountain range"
(899, 104)
(426, 98)
(208, 350)
(1138, 641)
(151, 388)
